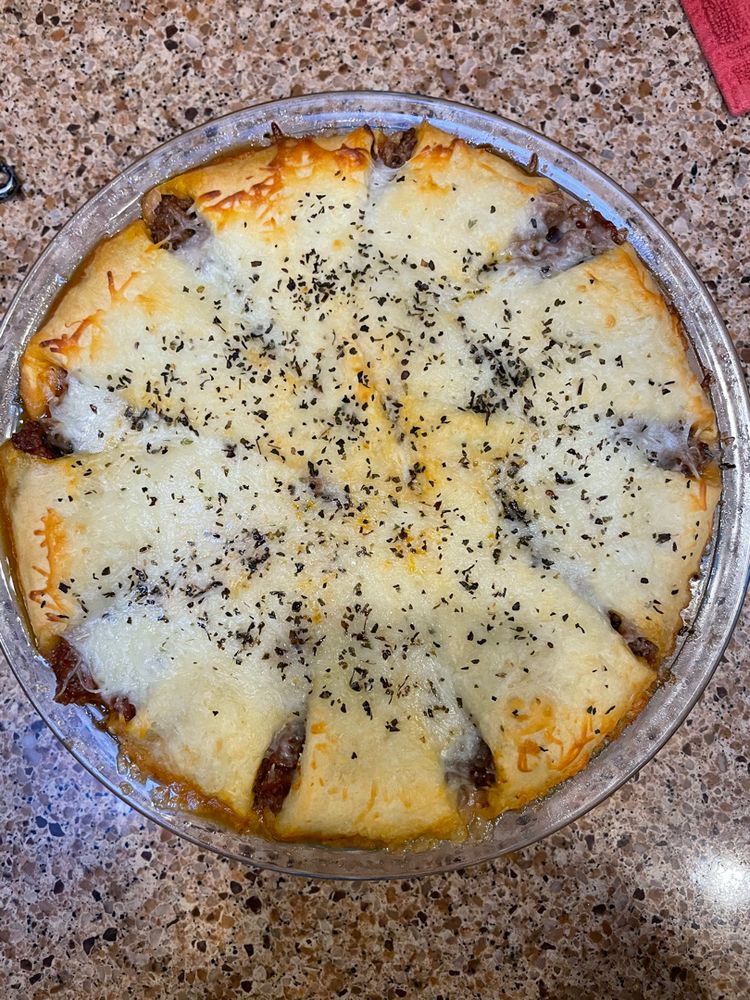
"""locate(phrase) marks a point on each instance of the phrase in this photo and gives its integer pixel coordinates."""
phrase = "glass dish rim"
(340, 109)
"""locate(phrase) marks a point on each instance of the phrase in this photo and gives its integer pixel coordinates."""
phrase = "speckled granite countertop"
(647, 896)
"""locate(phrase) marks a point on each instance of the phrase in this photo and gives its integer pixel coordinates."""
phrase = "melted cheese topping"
(338, 458)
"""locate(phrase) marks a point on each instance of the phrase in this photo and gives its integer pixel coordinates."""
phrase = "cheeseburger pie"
(361, 482)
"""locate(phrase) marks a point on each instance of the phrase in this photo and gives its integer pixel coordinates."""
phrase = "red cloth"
(723, 29)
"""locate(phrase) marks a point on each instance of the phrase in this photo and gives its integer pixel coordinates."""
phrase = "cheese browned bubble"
(363, 482)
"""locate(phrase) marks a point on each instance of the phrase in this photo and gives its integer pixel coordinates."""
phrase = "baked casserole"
(361, 482)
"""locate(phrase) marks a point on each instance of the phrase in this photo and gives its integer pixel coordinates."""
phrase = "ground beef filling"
(563, 233)
(76, 686)
(639, 645)
(481, 767)
(692, 459)
(277, 769)
(170, 220)
(394, 150)
(472, 776)
(33, 438)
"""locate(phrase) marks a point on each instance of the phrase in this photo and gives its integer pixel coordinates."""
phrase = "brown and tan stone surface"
(647, 896)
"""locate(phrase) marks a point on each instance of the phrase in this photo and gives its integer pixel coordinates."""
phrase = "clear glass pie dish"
(718, 592)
